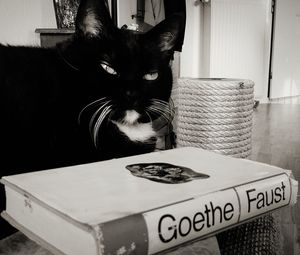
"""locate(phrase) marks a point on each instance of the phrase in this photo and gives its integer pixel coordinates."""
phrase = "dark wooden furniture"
(51, 36)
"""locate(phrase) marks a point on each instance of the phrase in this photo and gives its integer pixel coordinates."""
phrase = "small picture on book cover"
(165, 173)
(65, 11)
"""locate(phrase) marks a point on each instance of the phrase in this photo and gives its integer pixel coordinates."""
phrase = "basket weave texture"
(216, 115)
(258, 237)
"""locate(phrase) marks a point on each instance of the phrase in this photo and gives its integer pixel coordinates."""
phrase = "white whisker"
(167, 106)
(148, 116)
(160, 103)
(167, 112)
(159, 113)
(102, 117)
(157, 110)
(94, 103)
(97, 126)
(162, 109)
(92, 120)
(163, 104)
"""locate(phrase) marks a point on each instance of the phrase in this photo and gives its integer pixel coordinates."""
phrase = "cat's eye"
(108, 68)
(150, 76)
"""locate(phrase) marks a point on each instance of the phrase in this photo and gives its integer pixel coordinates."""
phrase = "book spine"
(179, 223)
(264, 196)
(164, 228)
(123, 236)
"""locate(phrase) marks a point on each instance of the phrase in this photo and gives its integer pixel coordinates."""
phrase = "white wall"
(126, 8)
(286, 56)
(240, 41)
(191, 59)
(20, 18)
(229, 39)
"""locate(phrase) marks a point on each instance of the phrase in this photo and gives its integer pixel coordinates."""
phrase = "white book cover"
(143, 204)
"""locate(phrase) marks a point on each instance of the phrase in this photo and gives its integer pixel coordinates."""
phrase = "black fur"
(44, 92)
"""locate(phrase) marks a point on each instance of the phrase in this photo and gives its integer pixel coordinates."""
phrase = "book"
(143, 204)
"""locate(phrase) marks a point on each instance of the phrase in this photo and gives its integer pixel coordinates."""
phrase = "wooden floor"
(276, 141)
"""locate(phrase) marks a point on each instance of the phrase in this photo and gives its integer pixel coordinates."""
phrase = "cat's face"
(133, 70)
(135, 73)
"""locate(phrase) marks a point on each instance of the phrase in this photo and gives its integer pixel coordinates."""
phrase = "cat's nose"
(132, 98)
(131, 95)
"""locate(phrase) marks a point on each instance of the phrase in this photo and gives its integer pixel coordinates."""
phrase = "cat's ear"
(93, 19)
(168, 33)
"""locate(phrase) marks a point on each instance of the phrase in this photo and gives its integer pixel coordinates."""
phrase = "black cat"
(91, 98)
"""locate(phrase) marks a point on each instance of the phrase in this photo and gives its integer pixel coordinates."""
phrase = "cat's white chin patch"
(131, 116)
(138, 132)
(135, 131)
